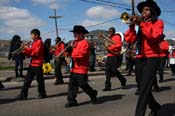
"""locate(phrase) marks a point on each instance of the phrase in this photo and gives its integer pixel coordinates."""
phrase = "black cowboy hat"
(79, 28)
(149, 3)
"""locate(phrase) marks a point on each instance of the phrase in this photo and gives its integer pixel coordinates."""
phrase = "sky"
(20, 16)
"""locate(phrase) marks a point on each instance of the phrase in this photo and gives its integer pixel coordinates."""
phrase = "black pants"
(146, 70)
(32, 72)
(19, 63)
(161, 67)
(160, 70)
(112, 63)
(58, 73)
(92, 63)
(172, 67)
(131, 63)
(76, 81)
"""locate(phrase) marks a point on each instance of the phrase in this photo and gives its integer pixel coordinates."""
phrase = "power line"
(103, 22)
(108, 2)
(169, 11)
(102, 3)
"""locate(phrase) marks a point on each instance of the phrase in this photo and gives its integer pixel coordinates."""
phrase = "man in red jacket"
(36, 52)
(58, 60)
(79, 67)
(113, 60)
(148, 52)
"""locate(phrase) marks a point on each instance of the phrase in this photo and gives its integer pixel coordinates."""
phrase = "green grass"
(7, 67)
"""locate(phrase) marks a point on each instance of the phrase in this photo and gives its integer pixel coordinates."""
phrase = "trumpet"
(130, 19)
(20, 49)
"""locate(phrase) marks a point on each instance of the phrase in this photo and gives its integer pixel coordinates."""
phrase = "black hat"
(79, 28)
(149, 3)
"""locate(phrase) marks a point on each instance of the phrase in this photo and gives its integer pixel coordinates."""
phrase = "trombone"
(70, 44)
(106, 40)
(53, 47)
(20, 49)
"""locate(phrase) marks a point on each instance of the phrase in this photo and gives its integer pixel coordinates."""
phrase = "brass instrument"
(106, 40)
(70, 43)
(53, 47)
(20, 49)
(129, 19)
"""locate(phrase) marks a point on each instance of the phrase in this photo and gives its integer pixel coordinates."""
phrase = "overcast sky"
(20, 16)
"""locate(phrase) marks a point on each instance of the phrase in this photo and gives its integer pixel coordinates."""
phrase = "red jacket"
(115, 47)
(80, 57)
(164, 46)
(36, 52)
(151, 37)
(58, 49)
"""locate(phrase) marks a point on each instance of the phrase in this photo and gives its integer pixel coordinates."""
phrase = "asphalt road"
(117, 102)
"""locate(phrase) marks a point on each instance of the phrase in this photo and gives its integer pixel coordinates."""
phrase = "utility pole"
(133, 9)
(55, 17)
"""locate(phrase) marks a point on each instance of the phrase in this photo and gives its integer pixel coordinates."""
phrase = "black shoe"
(42, 96)
(107, 89)
(137, 92)
(155, 112)
(156, 89)
(58, 82)
(22, 76)
(1, 86)
(21, 97)
(161, 80)
(94, 98)
(124, 85)
(68, 105)
(129, 74)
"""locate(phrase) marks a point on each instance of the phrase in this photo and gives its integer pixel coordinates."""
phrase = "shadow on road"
(6, 101)
(60, 94)
(171, 79)
(108, 98)
(167, 110)
(104, 99)
(127, 87)
(165, 88)
(14, 88)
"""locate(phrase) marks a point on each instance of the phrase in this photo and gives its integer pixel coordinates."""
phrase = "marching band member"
(113, 60)
(14, 45)
(148, 51)
(79, 67)
(172, 59)
(164, 45)
(130, 53)
(47, 68)
(36, 52)
(58, 60)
